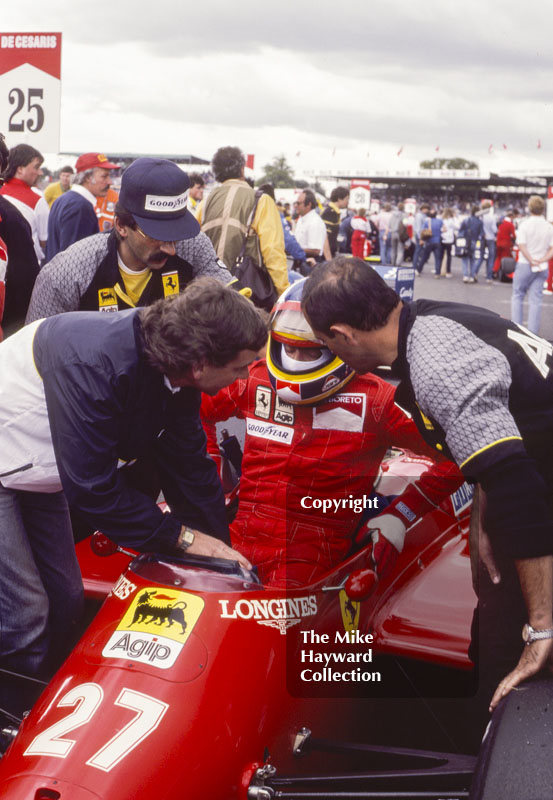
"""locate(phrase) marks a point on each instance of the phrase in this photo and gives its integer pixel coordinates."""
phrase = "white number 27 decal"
(86, 699)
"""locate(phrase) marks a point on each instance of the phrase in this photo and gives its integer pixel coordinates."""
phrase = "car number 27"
(86, 700)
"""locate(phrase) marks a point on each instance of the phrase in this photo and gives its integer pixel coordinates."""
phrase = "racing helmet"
(300, 382)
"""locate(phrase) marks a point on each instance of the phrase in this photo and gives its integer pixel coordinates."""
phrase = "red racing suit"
(331, 450)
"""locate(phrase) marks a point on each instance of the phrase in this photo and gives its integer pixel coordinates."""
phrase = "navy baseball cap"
(155, 192)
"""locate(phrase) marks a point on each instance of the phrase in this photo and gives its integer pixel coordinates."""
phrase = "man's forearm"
(536, 581)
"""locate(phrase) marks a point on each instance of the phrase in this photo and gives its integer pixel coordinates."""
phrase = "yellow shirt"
(134, 282)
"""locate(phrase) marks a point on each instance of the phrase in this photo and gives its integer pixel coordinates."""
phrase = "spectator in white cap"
(74, 216)
(154, 250)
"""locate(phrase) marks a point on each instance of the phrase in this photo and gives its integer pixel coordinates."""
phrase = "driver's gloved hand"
(386, 533)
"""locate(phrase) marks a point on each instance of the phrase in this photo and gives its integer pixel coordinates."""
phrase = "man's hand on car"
(205, 545)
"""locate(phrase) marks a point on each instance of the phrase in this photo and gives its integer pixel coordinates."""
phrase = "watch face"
(527, 631)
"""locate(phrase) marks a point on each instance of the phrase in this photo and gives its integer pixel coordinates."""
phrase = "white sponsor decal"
(123, 588)
(284, 412)
(343, 412)
(267, 430)
(158, 651)
(164, 203)
(409, 515)
(281, 613)
(263, 402)
(405, 274)
(462, 498)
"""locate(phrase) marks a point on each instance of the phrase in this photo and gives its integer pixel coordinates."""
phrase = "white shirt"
(84, 193)
(310, 232)
(536, 234)
(42, 210)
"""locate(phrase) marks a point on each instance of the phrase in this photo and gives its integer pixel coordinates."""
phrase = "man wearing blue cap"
(154, 250)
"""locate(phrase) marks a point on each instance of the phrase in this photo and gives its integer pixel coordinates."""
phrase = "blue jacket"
(72, 217)
(472, 229)
(105, 406)
(436, 225)
(291, 244)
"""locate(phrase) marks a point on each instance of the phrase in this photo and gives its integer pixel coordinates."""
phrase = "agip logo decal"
(107, 299)
(155, 627)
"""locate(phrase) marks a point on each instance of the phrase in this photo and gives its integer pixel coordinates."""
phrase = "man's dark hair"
(347, 290)
(268, 188)
(310, 198)
(196, 179)
(66, 169)
(125, 218)
(4, 155)
(20, 156)
(207, 324)
(338, 194)
(474, 210)
(228, 162)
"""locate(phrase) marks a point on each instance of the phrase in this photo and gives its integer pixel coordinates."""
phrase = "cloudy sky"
(346, 85)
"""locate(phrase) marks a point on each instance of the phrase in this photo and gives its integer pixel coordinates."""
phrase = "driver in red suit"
(316, 431)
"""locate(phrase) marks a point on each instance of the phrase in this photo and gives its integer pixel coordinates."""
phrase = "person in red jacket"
(360, 245)
(505, 240)
(316, 431)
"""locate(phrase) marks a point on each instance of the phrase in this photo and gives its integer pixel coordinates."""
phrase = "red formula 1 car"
(194, 681)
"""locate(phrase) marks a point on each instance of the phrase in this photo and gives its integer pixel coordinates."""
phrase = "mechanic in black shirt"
(480, 389)
(332, 214)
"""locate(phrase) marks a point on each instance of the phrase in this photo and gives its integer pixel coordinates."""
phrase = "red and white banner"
(30, 90)
(360, 194)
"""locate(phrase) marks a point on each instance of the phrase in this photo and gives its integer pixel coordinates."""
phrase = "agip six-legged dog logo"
(155, 627)
(150, 611)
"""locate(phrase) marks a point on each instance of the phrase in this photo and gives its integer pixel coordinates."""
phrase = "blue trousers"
(41, 591)
(527, 282)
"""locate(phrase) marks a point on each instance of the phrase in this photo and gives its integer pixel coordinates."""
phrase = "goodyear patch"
(350, 612)
(170, 282)
(155, 627)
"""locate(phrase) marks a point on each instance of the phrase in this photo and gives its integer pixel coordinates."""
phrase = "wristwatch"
(530, 634)
(186, 538)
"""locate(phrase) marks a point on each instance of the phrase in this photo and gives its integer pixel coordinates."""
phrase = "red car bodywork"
(180, 686)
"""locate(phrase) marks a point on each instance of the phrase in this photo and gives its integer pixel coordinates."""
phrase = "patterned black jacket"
(480, 389)
(86, 276)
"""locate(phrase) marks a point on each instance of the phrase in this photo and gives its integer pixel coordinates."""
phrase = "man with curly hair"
(82, 398)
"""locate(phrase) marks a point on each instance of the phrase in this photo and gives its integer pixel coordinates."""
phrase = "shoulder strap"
(258, 194)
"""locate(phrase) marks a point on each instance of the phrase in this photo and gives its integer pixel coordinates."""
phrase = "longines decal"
(280, 613)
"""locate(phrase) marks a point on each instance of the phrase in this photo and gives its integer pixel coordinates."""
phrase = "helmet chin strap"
(292, 365)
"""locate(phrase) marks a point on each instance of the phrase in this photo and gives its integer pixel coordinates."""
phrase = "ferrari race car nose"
(39, 787)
